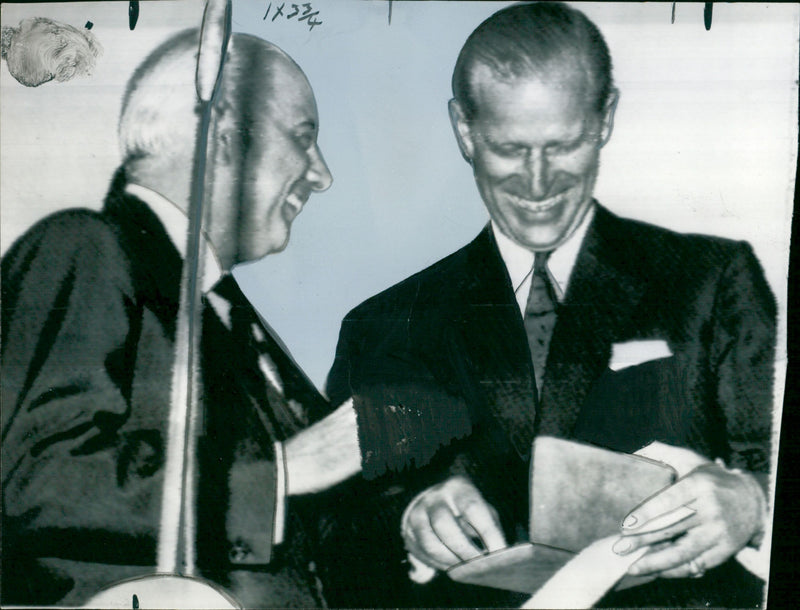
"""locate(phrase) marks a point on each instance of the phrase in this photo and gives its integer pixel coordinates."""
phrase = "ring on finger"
(696, 568)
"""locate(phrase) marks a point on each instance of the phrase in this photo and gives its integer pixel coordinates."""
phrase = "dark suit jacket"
(89, 307)
(441, 371)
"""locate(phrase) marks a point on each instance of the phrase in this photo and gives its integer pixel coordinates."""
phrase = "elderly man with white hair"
(89, 308)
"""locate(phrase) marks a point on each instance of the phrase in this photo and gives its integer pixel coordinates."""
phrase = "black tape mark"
(89, 25)
(133, 13)
(707, 10)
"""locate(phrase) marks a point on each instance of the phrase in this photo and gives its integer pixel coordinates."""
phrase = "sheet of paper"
(585, 578)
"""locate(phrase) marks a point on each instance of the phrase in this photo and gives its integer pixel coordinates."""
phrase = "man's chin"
(538, 239)
(256, 255)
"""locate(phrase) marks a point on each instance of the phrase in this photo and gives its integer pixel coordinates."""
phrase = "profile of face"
(278, 167)
(534, 145)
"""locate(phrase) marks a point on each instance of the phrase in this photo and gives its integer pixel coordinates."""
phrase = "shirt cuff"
(279, 518)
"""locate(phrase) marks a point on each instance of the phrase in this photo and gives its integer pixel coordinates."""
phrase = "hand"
(725, 512)
(450, 523)
(325, 454)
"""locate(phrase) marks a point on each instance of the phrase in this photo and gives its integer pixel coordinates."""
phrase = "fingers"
(661, 517)
(663, 527)
(701, 547)
(694, 568)
(451, 523)
(690, 555)
(483, 520)
(696, 524)
(430, 527)
(669, 505)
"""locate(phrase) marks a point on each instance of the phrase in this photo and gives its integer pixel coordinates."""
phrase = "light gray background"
(704, 140)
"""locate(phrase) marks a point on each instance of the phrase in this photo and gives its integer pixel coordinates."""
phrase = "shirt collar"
(176, 224)
(519, 260)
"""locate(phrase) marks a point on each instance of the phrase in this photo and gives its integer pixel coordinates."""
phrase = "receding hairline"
(248, 78)
(538, 40)
(247, 46)
(557, 72)
(243, 48)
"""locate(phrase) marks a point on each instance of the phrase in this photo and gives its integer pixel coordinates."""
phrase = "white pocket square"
(632, 353)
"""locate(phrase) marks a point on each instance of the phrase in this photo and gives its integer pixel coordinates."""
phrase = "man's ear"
(462, 129)
(223, 134)
(224, 144)
(608, 117)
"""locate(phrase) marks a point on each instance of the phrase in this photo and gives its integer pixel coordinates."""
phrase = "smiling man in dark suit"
(559, 319)
(89, 308)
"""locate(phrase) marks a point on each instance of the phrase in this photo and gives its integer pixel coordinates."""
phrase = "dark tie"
(238, 316)
(263, 352)
(540, 316)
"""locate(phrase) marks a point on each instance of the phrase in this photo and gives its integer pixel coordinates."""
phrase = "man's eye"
(510, 150)
(564, 148)
(305, 140)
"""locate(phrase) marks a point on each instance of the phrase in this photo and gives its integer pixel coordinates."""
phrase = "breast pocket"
(633, 406)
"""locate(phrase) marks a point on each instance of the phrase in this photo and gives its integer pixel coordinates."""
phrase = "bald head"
(263, 157)
(160, 111)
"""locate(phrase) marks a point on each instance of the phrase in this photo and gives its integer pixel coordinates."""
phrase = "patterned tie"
(540, 316)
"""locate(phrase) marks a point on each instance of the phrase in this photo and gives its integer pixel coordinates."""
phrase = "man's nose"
(538, 169)
(318, 174)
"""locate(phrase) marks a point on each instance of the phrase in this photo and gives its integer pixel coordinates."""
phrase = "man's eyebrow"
(307, 124)
(549, 143)
(570, 141)
(494, 142)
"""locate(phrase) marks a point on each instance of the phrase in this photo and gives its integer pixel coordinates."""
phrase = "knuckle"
(417, 520)
(704, 484)
(472, 506)
(438, 514)
(411, 544)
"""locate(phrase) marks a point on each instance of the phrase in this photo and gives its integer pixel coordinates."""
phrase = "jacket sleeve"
(406, 403)
(405, 421)
(743, 355)
(75, 458)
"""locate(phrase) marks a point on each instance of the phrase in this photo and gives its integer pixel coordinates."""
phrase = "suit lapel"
(279, 390)
(494, 343)
(597, 310)
(155, 262)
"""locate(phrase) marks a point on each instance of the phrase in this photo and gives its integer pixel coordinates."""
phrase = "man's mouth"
(293, 205)
(537, 207)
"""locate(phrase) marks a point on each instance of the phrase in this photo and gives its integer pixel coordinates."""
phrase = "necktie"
(540, 316)
(236, 314)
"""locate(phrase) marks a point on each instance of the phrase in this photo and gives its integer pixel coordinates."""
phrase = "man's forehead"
(291, 92)
(559, 88)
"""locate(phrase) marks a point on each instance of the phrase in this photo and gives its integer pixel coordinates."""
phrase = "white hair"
(159, 108)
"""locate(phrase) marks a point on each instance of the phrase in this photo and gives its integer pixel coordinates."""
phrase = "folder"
(578, 494)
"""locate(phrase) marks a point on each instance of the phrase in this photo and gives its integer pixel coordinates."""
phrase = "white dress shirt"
(519, 261)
